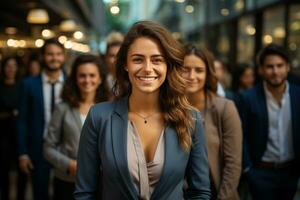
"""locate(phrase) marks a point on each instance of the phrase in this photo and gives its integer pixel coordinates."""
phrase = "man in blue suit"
(38, 98)
(271, 128)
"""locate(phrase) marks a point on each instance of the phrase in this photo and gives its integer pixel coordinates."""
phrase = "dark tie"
(52, 96)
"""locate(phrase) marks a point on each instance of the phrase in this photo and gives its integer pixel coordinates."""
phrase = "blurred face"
(110, 58)
(88, 78)
(10, 69)
(146, 65)
(219, 70)
(247, 78)
(34, 68)
(194, 73)
(54, 57)
(274, 70)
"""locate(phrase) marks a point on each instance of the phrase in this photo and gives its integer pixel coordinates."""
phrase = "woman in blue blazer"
(149, 140)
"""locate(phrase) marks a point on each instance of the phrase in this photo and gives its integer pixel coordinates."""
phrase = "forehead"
(87, 68)
(274, 58)
(193, 61)
(145, 46)
(51, 48)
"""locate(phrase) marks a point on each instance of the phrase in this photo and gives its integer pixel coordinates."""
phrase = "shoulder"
(103, 109)
(62, 106)
(294, 88)
(31, 81)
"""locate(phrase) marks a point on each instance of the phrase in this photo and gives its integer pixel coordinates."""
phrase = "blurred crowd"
(249, 114)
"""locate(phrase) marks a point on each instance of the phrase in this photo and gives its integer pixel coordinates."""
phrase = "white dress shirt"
(47, 96)
(280, 143)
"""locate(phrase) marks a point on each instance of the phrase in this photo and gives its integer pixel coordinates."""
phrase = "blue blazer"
(254, 115)
(31, 120)
(103, 145)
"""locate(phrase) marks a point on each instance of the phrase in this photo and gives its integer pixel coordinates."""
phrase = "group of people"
(155, 127)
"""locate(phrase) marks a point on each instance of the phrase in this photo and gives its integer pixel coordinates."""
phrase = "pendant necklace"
(144, 117)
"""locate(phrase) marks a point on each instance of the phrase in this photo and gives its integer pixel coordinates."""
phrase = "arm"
(53, 140)
(197, 172)
(232, 151)
(22, 129)
(88, 161)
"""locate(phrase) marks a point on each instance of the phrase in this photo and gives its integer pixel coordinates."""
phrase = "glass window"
(223, 45)
(261, 3)
(273, 26)
(245, 41)
(294, 36)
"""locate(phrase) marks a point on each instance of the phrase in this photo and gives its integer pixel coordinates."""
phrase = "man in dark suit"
(271, 128)
(38, 98)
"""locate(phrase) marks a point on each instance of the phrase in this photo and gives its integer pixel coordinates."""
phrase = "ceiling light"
(46, 33)
(78, 35)
(11, 30)
(39, 43)
(224, 12)
(189, 9)
(67, 25)
(62, 39)
(38, 16)
(268, 39)
(114, 10)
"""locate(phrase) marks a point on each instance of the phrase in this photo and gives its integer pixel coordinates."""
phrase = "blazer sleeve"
(53, 140)
(197, 173)
(232, 151)
(88, 160)
(22, 120)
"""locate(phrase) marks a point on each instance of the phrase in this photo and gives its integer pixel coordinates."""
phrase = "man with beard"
(271, 128)
(38, 98)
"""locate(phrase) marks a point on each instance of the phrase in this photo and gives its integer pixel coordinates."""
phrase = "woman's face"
(146, 66)
(34, 68)
(247, 79)
(194, 73)
(10, 69)
(88, 78)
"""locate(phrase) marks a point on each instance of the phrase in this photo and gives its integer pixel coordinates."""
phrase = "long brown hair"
(172, 99)
(71, 94)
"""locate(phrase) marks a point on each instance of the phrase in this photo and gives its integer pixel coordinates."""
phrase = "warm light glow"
(114, 10)
(67, 25)
(11, 42)
(293, 46)
(62, 39)
(22, 43)
(279, 32)
(68, 44)
(46, 33)
(295, 26)
(268, 39)
(39, 43)
(180, 1)
(189, 9)
(78, 35)
(224, 12)
(250, 30)
(38, 16)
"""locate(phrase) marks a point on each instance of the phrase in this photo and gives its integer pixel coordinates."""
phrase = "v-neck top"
(145, 175)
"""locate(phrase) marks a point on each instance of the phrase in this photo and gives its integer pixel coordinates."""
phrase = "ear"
(126, 69)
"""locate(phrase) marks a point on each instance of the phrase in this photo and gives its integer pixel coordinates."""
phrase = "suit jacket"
(254, 115)
(31, 120)
(223, 133)
(103, 145)
(62, 140)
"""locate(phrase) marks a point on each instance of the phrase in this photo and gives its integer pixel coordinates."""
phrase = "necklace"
(144, 117)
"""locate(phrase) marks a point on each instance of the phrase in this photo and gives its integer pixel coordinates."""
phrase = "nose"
(148, 66)
(191, 74)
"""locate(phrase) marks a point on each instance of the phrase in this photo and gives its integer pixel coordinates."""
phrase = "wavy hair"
(71, 94)
(173, 102)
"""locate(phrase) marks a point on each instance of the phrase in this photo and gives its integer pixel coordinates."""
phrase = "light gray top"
(145, 175)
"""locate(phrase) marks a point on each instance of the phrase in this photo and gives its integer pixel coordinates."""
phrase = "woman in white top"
(84, 88)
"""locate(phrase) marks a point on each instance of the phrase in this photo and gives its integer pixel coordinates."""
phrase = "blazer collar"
(119, 140)
(76, 115)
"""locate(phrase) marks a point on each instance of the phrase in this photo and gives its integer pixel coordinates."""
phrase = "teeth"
(147, 78)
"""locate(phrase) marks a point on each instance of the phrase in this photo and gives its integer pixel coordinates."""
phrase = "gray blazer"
(103, 145)
(62, 140)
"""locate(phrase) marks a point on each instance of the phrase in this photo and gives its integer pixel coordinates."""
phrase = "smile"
(147, 78)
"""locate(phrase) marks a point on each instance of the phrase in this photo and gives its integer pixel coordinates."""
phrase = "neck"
(144, 104)
(9, 81)
(197, 99)
(52, 75)
(277, 92)
(88, 98)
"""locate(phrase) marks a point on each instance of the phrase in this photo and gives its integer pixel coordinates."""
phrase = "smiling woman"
(149, 139)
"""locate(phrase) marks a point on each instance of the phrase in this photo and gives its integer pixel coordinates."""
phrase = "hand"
(26, 165)
(72, 167)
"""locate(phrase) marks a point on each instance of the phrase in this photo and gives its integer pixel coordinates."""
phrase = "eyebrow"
(141, 55)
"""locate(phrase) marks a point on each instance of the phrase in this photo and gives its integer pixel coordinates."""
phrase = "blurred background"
(234, 30)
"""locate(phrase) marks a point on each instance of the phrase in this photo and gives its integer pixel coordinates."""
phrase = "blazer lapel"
(40, 95)
(76, 115)
(295, 120)
(263, 110)
(119, 143)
